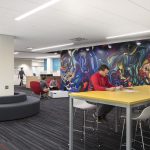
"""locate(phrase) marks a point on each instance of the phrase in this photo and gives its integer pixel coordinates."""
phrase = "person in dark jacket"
(21, 74)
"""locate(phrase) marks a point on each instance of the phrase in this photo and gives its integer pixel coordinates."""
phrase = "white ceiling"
(68, 19)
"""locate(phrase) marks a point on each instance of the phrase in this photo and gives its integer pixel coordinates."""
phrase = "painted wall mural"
(129, 64)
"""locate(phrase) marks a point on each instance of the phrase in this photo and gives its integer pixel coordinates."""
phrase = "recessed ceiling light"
(109, 46)
(69, 52)
(55, 46)
(55, 53)
(36, 9)
(138, 43)
(15, 53)
(128, 34)
(87, 49)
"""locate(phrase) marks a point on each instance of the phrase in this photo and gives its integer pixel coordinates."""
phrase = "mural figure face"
(146, 69)
(145, 72)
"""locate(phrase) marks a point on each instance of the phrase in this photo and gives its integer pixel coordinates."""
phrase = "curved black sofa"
(18, 106)
(16, 98)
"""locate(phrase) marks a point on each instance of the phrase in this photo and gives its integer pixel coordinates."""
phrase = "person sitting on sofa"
(44, 86)
(53, 85)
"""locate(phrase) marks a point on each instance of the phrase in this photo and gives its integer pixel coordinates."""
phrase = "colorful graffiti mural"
(129, 64)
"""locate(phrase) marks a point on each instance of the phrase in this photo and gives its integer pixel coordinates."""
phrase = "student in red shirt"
(99, 82)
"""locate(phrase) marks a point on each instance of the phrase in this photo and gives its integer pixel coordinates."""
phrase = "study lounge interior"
(69, 40)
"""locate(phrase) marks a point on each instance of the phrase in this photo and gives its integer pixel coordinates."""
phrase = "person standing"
(21, 74)
(99, 82)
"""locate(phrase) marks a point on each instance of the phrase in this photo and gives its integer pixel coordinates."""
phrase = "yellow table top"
(130, 96)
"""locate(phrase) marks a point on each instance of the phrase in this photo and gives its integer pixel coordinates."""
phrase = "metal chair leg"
(149, 123)
(142, 135)
(74, 112)
(97, 123)
(122, 133)
(137, 123)
(97, 116)
(40, 95)
(84, 126)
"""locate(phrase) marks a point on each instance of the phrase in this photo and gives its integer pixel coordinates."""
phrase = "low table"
(58, 94)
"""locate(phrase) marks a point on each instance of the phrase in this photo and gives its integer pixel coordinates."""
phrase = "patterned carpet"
(49, 130)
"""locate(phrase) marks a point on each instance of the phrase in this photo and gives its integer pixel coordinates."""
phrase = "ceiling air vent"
(78, 39)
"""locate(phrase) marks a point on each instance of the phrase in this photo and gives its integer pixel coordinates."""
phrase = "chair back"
(145, 114)
(83, 104)
(36, 88)
(84, 87)
(78, 102)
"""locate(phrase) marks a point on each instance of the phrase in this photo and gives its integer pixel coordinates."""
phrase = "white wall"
(37, 67)
(6, 65)
(19, 63)
(29, 66)
(32, 66)
(50, 67)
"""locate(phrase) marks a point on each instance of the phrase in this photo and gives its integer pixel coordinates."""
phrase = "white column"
(6, 65)
(49, 66)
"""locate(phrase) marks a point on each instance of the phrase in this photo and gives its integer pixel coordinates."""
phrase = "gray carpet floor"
(49, 130)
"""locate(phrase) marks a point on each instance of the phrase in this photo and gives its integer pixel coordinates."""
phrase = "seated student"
(53, 85)
(99, 82)
(44, 86)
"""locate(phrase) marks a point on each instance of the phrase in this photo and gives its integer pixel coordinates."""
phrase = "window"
(56, 64)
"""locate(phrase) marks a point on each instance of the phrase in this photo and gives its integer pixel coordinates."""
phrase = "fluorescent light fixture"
(55, 46)
(128, 34)
(15, 53)
(35, 60)
(36, 9)
(46, 57)
(29, 48)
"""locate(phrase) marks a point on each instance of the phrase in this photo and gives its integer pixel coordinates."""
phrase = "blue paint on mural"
(129, 65)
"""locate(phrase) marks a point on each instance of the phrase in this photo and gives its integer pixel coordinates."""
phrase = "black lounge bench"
(18, 106)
